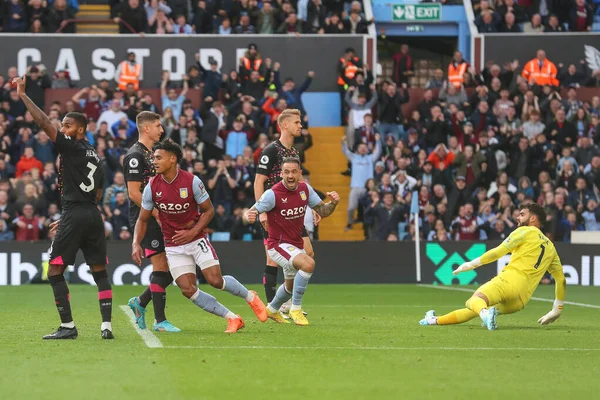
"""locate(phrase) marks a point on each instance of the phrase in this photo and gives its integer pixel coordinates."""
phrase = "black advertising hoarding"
(565, 48)
(90, 58)
(337, 262)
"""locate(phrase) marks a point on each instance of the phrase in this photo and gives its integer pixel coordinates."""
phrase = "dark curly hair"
(170, 146)
(535, 209)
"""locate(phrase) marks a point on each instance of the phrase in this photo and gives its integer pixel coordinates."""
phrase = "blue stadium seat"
(247, 237)
(596, 27)
(221, 237)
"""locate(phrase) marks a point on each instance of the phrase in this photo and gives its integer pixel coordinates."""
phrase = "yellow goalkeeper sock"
(476, 304)
(456, 317)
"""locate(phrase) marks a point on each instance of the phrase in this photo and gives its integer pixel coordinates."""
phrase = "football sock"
(476, 304)
(209, 304)
(104, 294)
(145, 297)
(300, 283)
(270, 282)
(159, 282)
(281, 297)
(233, 286)
(456, 317)
(62, 298)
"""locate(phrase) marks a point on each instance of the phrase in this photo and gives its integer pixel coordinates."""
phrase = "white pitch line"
(386, 348)
(455, 289)
(368, 306)
(149, 339)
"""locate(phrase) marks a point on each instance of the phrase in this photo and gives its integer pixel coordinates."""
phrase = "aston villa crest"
(183, 192)
(303, 196)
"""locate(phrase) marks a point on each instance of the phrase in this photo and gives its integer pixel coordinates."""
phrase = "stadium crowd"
(193, 17)
(222, 140)
(512, 16)
(471, 155)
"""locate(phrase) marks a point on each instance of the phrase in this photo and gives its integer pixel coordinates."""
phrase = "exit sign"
(416, 12)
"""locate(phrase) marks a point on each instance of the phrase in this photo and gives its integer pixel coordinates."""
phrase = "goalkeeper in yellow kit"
(532, 254)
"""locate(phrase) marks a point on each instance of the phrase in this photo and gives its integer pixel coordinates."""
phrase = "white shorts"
(283, 254)
(183, 259)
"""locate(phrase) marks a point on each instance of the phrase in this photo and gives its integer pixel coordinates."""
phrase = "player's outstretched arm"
(138, 234)
(326, 209)
(38, 115)
(560, 287)
(488, 257)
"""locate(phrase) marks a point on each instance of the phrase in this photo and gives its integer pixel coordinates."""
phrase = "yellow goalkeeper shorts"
(504, 295)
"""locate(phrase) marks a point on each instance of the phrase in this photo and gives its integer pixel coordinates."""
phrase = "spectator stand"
(510, 16)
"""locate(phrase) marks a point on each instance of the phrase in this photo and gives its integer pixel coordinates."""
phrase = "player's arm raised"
(38, 115)
(560, 288)
(146, 207)
(320, 207)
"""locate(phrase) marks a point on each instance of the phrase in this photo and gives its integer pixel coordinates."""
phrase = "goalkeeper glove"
(467, 266)
(552, 315)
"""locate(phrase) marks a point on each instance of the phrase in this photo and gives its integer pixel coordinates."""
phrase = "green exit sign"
(416, 12)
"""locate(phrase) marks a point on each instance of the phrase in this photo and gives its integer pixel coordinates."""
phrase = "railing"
(368, 8)
(102, 21)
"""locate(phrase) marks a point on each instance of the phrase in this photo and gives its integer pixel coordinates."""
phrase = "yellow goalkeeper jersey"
(532, 254)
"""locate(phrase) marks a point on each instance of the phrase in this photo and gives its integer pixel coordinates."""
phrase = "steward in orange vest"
(348, 66)
(251, 61)
(129, 72)
(457, 70)
(540, 71)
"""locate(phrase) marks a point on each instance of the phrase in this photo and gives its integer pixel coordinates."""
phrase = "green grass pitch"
(364, 342)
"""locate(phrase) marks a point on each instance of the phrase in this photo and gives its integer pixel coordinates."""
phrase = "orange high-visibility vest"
(456, 75)
(546, 75)
(349, 72)
(129, 75)
(252, 66)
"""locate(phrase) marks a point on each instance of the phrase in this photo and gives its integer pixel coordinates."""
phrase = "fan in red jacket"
(28, 162)
(28, 226)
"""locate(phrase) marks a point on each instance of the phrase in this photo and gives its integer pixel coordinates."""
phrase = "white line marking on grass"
(367, 305)
(455, 289)
(384, 348)
(149, 339)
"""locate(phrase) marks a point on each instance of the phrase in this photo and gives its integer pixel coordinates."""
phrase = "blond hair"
(287, 113)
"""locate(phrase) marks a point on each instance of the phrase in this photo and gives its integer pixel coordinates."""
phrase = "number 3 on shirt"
(90, 176)
(539, 261)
